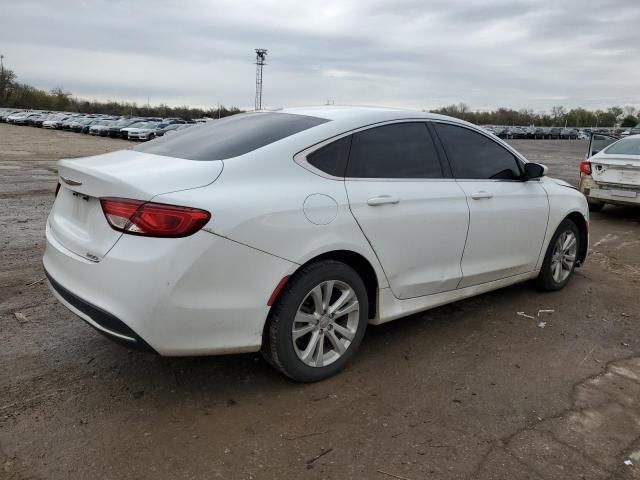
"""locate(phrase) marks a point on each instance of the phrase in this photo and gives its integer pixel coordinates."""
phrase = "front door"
(508, 217)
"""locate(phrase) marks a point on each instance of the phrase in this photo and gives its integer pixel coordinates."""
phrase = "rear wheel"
(318, 322)
(561, 257)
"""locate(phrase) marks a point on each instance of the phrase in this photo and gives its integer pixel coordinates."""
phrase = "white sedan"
(611, 171)
(290, 231)
(124, 132)
(143, 132)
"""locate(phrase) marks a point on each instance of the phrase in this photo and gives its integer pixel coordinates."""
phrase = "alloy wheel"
(563, 257)
(325, 323)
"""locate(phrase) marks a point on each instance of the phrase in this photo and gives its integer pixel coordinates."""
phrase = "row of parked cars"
(557, 132)
(537, 132)
(131, 128)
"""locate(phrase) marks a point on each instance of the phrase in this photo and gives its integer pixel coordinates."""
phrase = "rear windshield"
(626, 146)
(230, 136)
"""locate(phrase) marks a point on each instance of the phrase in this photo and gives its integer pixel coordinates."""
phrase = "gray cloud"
(412, 53)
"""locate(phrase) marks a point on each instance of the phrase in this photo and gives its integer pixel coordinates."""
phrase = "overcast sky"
(405, 53)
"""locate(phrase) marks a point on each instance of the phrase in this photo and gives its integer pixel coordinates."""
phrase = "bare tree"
(616, 112)
(558, 111)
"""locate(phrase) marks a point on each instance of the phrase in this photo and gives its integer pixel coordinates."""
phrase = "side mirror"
(534, 170)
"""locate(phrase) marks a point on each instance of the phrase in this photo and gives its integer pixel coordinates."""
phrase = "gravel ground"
(469, 390)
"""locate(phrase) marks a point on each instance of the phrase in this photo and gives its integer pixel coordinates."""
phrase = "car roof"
(358, 113)
(344, 119)
(350, 117)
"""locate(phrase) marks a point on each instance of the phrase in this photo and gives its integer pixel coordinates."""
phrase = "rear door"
(413, 214)
(508, 217)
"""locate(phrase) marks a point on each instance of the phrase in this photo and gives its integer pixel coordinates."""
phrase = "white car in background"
(54, 121)
(290, 231)
(611, 171)
(17, 116)
(143, 132)
(124, 132)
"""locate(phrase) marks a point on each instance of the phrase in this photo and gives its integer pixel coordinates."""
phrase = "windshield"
(626, 146)
(231, 136)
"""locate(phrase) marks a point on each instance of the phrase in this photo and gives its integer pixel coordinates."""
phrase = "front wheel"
(318, 322)
(561, 257)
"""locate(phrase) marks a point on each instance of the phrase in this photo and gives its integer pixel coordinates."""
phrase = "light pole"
(261, 54)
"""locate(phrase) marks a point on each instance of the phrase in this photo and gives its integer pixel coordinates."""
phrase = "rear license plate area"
(81, 205)
(623, 193)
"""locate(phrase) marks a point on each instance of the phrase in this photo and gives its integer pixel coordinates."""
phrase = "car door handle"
(383, 200)
(481, 194)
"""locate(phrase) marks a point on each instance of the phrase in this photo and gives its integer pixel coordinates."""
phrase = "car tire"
(594, 205)
(314, 355)
(557, 267)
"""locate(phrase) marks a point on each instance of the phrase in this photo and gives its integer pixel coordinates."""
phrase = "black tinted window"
(230, 136)
(401, 150)
(332, 158)
(475, 156)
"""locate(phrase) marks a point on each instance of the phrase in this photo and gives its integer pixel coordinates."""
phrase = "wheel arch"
(583, 227)
(355, 260)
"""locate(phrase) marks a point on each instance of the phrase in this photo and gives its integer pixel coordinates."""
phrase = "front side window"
(399, 150)
(474, 156)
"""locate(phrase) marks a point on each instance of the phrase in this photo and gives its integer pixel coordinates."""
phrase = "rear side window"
(474, 156)
(230, 136)
(332, 158)
(627, 146)
(400, 150)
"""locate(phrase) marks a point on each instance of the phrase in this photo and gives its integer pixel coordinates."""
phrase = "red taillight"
(153, 219)
(585, 167)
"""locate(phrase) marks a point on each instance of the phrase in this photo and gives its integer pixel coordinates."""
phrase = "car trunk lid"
(616, 170)
(77, 221)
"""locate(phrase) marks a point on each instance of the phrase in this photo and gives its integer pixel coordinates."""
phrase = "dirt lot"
(470, 390)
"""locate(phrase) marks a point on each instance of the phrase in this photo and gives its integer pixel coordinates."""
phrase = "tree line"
(14, 94)
(558, 117)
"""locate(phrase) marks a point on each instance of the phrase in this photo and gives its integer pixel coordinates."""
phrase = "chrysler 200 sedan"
(289, 232)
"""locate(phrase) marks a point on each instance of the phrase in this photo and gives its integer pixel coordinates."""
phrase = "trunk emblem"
(70, 181)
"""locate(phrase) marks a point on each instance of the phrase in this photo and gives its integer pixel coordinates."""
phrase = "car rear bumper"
(198, 295)
(139, 136)
(619, 195)
(105, 323)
